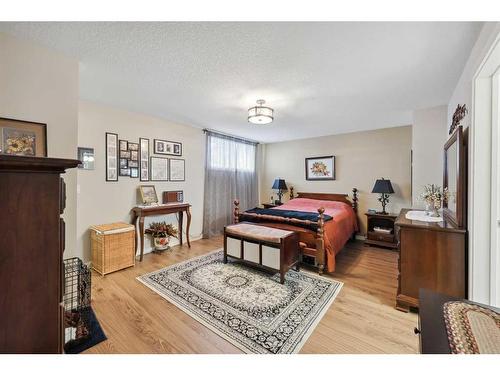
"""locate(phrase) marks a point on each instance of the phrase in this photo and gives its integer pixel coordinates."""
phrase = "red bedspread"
(336, 231)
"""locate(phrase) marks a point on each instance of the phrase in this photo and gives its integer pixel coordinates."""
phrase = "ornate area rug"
(247, 307)
(472, 329)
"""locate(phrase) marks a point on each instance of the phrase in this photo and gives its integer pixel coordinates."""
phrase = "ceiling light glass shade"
(259, 114)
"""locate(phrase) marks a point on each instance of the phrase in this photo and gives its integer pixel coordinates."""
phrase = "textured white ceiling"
(321, 78)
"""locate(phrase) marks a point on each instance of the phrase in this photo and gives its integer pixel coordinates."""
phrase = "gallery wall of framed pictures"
(125, 158)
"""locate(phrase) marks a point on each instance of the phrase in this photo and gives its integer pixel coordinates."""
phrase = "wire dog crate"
(76, 300)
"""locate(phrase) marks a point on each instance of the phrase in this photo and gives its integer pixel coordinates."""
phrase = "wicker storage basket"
(113, 247)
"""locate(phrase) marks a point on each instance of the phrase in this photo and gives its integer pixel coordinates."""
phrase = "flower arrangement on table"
(161, 233)
(434, 197)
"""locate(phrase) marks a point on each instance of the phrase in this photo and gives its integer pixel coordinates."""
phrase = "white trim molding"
(483, 217)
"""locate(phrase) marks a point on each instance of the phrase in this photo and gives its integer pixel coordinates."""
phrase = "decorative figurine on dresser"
(32, 198)
(433, 250)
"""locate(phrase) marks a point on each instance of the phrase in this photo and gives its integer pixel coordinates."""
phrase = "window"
(228, 154)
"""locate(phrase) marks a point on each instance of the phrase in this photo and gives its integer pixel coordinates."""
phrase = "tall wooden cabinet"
(32, 198)
(431, 256)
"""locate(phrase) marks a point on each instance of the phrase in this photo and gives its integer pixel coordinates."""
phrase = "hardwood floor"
(362, 319)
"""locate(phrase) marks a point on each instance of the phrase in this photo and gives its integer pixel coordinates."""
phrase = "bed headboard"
(334, 197)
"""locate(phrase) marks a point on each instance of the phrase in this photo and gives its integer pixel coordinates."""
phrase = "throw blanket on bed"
(290, 214)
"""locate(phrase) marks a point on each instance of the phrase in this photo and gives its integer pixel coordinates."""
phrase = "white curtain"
(230, 173)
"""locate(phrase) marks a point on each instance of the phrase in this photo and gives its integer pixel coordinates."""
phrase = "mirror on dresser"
(454, 178)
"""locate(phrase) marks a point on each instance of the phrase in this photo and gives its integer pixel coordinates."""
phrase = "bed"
(324, 223)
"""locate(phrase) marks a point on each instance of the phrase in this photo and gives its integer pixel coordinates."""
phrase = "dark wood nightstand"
(381, 238)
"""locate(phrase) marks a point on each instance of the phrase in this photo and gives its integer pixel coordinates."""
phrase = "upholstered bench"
(268, 248)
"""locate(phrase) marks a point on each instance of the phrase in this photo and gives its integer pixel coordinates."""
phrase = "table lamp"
(279, 185)
(384, 188)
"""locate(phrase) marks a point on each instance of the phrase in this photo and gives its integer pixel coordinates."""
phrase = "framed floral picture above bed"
(320, 168)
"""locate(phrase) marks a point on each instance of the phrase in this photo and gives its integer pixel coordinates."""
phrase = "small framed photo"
(133, 164)
(134, 172)
(134, 155)
(133, 146)
(144, 158)
(112, 157)
(24, 138)
(124, 154)
(177, 170)
(86, 156)
(159, 169)
(320, 168)
(167, 147)
(123, 145)
(148, 194)
(123, 163)
(124, 172)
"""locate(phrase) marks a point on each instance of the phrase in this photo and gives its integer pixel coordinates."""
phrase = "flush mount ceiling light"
(259, 114)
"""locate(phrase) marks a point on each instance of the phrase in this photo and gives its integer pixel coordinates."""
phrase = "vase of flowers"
(161, 233)
(433, 196)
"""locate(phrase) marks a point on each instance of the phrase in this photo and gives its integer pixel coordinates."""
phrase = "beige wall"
(360, 159)
(428, 139)
(37, 84)
(463, 90)
(104, 202)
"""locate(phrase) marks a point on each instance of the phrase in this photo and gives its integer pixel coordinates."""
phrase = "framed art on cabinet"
(148, 194)
(144, 159)
(320, 168)
(111, 157)
(159, 169)
(24, 138)
(167, 147)
(177, 170)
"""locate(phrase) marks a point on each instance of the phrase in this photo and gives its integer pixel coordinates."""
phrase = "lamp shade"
(383, 187)
(279, 184)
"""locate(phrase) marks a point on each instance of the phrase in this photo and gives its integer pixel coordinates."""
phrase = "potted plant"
(161, 233)
(434, 198)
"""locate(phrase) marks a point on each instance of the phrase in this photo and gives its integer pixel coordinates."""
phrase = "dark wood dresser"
(431, 256)
(32, 198)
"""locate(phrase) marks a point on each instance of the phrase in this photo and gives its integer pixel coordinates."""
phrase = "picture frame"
(124, 154)
(320, 168)
(133, 164)
(86, 157)
(23, 138)
(134, 172)
(134, 155)
(158, 169)
(133, 146)
(111, 144)
(163, 147)
(123, 145)
(148, 194)
(144, 159)
(177, 170)
(123, 163)
(125, 172)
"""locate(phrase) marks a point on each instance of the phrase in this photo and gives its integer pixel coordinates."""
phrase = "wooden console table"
(140, 212)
